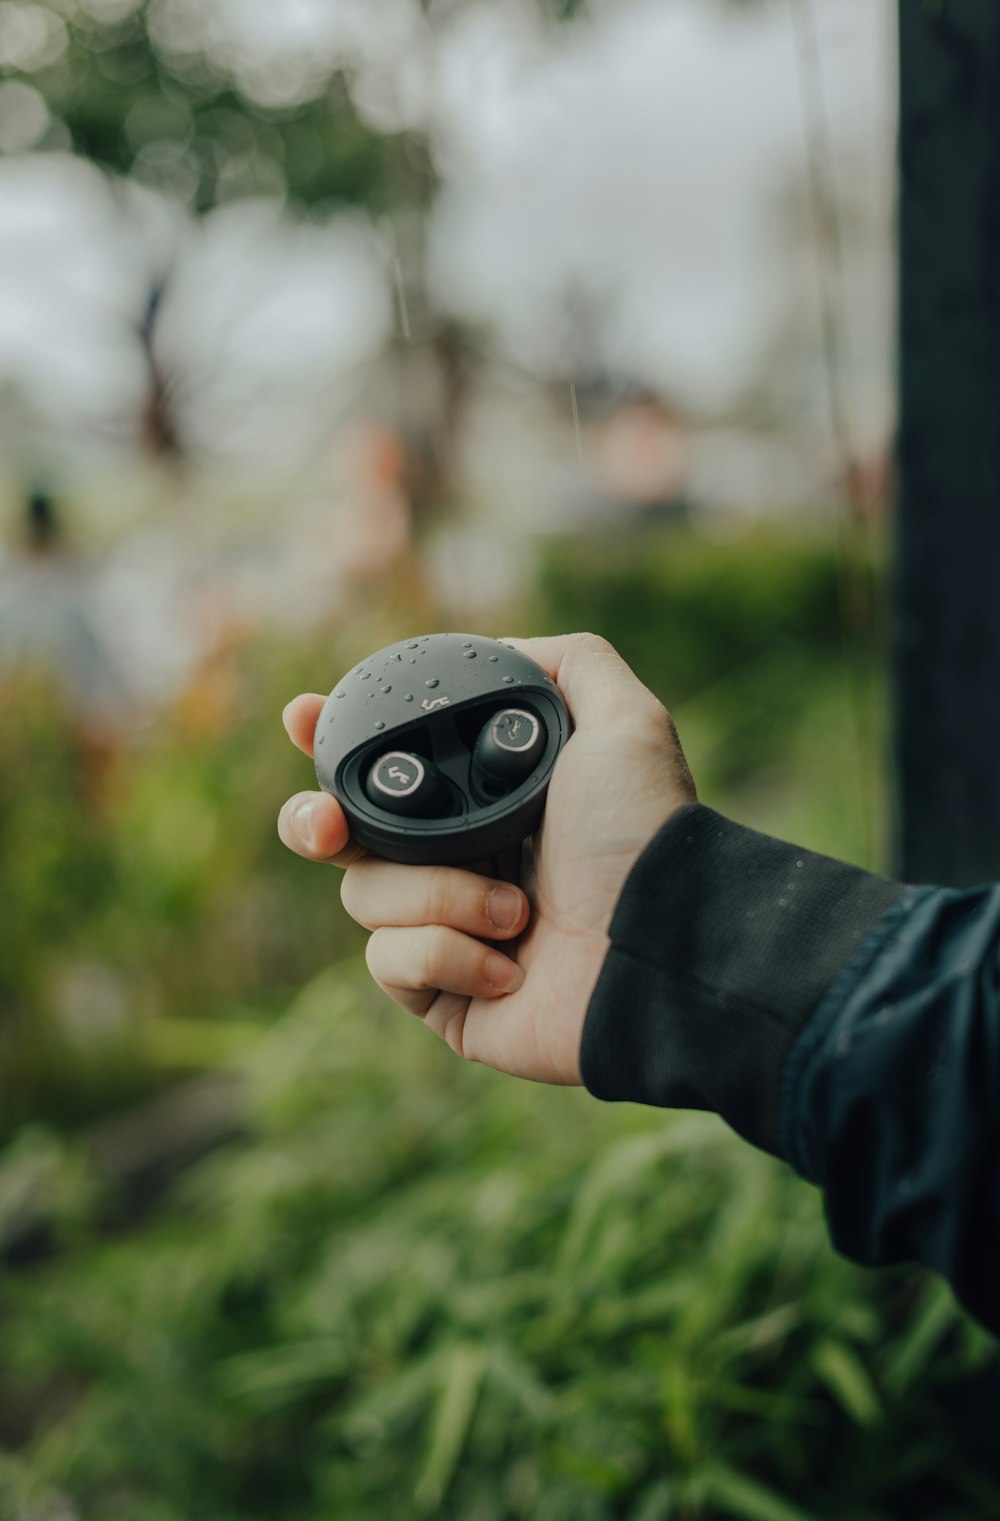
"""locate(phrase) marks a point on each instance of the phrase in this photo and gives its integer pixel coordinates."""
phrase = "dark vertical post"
(947, 589)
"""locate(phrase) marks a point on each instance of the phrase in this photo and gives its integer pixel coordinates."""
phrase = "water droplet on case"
(321, 739)
(412, 644)
(432, 681)
(470, 654)
(379, 724)
(366, 675)
(341, 694)
(384, 690)
(508, 679)
(493, 658)
(408, 697)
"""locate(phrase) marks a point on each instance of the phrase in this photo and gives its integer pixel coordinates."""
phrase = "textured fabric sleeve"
(892, 1095)
(722, 944)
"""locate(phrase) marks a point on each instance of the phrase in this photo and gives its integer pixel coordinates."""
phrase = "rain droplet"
(412, 644)
(384, 690)
(321, 739)
(408, 697)
(341, 694)
(508, 679)
(432, 682)
(493, 658)
(366, 675)
(379, 724)
(467, 644)
(470, 654)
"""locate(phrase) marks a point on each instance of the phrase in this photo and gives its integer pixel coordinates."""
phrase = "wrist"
(722, 943)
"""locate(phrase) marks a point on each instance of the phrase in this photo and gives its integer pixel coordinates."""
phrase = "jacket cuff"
(722, 944)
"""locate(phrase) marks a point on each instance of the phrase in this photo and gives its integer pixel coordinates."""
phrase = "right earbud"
(509, 746)
(401, 782)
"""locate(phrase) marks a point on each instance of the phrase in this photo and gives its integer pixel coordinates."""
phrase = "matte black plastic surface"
(431, 696)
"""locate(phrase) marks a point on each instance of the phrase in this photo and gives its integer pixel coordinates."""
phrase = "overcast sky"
(637, 157)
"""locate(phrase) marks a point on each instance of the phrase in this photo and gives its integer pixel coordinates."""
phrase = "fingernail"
(302, 823)
(503, 973)
(503, 907)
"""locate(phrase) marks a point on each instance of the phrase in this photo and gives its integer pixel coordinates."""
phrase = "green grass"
(422, 1289)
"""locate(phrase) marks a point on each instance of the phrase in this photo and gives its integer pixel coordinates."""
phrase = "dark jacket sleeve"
(848, 1024)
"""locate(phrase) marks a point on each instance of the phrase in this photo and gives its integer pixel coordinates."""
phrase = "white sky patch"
(639, 163)
(281, 54)
(64, 336)
(263, 320)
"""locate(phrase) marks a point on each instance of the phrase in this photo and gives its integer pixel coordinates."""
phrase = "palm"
(605, 802)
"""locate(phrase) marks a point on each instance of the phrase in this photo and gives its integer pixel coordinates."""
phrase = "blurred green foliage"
(408, 1287)
(145, 889)
(419, 1289)
(133, 103)
(779, 697)
(137, 93)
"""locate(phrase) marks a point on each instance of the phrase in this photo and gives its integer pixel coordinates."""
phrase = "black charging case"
(431, 697)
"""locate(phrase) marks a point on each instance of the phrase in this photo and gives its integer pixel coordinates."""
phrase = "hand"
(618, 779)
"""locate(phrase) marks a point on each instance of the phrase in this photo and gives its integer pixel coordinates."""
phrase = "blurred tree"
(132, 105)
(140, 90)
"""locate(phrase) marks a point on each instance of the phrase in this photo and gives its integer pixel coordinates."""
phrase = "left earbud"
(401, 782)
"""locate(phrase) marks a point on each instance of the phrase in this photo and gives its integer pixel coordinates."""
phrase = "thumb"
(598, 685)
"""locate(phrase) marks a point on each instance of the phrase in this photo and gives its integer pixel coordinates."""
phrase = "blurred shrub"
(144, 888)
(757, 648)
(421, 1289)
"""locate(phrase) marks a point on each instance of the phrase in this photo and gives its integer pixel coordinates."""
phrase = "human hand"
(619, 778)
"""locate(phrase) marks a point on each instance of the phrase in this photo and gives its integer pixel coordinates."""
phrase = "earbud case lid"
(430, 696)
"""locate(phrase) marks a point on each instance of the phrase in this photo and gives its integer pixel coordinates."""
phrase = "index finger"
(299, 719)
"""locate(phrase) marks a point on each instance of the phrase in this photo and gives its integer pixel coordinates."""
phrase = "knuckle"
(350, 889)
(440, 895)
(651, 718)
(373, 951)
(658, 719)
(592, 643)
(437, 948)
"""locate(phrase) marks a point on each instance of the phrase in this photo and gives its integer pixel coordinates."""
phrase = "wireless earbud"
(404, 783)
(440, 749)
(509, 745)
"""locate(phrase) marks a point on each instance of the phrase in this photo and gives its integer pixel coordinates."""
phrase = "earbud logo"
(399, 775)
(430, 703)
